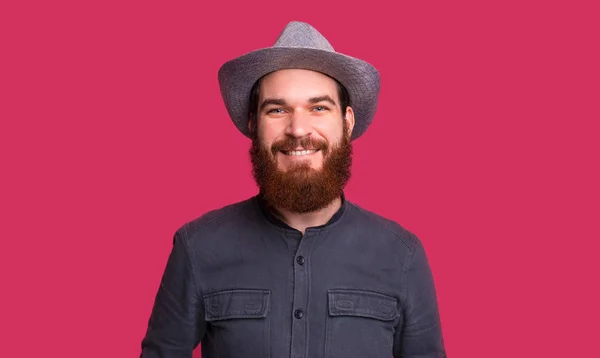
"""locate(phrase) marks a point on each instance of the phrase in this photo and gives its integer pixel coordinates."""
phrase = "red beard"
(301, 189)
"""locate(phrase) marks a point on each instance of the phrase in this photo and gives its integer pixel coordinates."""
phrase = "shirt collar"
(267, 211)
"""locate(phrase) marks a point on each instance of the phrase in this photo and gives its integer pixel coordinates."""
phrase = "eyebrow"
(269, 101)
(325, 98)
(281, 101)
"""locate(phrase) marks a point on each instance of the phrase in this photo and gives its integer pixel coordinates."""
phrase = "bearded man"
(297, 270)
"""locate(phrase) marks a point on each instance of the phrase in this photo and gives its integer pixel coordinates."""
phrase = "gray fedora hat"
(300, 46)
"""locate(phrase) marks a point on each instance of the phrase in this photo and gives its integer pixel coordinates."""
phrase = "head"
(300, 123)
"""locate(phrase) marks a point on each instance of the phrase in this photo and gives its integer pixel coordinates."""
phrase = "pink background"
(485, 144)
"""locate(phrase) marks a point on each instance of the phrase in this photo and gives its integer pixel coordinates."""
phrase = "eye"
(320, 108)
(275, 110)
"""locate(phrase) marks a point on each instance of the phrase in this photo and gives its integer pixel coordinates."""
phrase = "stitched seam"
(362, 314)
(263, 313)
(318, 230)
(240, 290)
(403, 281)
(309, 279)
(367, 292)
(192, 259)
(197, 288)
(385, 317)
(223, 317)
(421, 331)
(187, 231)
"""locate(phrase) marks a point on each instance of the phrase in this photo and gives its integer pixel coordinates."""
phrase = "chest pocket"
(360, 324)
(238, 321)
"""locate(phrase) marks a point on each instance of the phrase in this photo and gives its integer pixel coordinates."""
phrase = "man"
(297, 270)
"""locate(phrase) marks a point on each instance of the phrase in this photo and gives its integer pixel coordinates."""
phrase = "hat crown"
(301, 34)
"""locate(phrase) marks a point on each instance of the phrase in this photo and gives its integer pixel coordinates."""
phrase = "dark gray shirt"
(244, 284)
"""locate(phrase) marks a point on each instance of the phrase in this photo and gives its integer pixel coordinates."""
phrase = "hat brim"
(361, 79)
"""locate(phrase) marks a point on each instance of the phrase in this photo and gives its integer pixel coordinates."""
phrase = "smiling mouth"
(299, 152)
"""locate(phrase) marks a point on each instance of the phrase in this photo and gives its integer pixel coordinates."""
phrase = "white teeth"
(301, 152)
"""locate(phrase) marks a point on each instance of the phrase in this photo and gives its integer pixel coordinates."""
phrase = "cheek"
(330, 130)
(268, 133)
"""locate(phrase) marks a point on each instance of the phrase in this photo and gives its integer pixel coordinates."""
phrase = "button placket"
(301, 290)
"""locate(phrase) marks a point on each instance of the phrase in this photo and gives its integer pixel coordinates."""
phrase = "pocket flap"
(229, 304)
(347, 302)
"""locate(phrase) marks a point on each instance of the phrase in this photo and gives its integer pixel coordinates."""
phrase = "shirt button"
(298, 314)
(300, 260)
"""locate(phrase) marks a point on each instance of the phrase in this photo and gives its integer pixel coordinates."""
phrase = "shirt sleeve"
(419, 332)
(176, 324)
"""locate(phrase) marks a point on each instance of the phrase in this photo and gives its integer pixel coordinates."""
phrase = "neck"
(301, 221)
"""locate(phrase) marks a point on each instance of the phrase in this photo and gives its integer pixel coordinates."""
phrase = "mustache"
(289, 144)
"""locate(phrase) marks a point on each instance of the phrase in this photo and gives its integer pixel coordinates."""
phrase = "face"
(301, 150)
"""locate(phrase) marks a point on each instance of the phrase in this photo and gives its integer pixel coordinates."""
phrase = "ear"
(251, 125)
(349, 118)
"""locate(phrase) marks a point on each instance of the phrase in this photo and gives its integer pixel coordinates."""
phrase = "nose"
(299, 125)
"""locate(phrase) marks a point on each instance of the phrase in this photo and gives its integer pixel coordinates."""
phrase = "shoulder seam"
(192, 260)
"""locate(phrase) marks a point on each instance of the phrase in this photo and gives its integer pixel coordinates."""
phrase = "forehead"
(297, 83)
